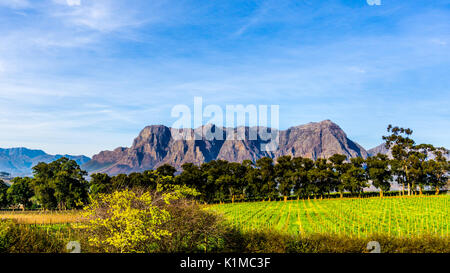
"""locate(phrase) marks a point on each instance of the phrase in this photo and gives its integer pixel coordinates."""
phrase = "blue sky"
(79, 76)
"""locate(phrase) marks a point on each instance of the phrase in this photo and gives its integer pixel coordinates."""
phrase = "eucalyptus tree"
(20, 192)
(267, 175)
(303, 186)
(354, 179)
(193, 177)
(339, 167)
(60, 184)
(253, 180)
(437, 170)
(285, 175)
(321, 177)
(237, 185)
(3, 194)
(400, 144)
(379, 171)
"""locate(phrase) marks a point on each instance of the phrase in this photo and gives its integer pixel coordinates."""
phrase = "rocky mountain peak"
(157, 144)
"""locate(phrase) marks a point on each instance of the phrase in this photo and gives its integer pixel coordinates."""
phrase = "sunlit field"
(41, 217)
(360, 217)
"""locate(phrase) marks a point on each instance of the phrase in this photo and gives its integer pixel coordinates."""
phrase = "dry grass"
(41, 217)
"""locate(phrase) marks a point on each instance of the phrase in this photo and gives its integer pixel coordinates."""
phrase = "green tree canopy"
(3, 194)
(21, 191)
(100, 183)
(379, 172)
(60, 184)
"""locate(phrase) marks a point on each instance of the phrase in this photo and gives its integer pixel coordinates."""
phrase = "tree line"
(62, 184)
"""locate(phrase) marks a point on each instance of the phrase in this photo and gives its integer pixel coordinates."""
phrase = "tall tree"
(354, 178)
(302, 184)
(60, 184)
(401, 144)
(253, 180)
(193, 176)
(284, 175)
(267, 175)
(379, 172)
(339, 168)
(21, 192)
(218, 179)
(3, 194)
(437, 170)
(321, 177)
(237, 186)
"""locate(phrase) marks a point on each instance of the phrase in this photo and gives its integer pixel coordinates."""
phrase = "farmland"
(357, 217)
(41, 217)
(400, 224)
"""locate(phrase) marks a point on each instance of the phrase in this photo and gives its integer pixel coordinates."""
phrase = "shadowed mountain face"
(19, 161)
(158, 144)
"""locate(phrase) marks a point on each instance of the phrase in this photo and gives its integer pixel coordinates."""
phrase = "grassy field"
(360, 217)
(41, 217)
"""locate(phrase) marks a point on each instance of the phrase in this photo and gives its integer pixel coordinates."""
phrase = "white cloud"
(100, 15)
(73, 2)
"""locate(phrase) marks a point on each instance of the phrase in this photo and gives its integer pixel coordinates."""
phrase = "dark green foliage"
(3, 194)
(21, 191)
(354, 179)
(60, 184)
(100, 183)
(412, 165)
(267, 175)
(285, 175)
(379, 172)
(166, 170)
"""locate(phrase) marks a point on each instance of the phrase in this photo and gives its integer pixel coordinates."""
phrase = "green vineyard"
(360, 217)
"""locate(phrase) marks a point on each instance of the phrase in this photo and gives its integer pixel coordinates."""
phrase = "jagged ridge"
(158, 144)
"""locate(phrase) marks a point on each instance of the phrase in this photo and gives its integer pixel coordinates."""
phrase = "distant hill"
(380, 149)
(156, 145)
(383, 150)
(19, 161)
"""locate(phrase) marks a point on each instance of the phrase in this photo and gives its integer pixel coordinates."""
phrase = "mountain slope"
(380, 149)
(158, 144)
(383, 150)
(19, 161)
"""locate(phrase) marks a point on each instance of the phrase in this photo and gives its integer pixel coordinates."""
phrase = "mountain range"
(19, 161)
(158, 144)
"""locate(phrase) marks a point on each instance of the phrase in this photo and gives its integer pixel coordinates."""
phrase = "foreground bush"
(144, 221)
(15, 238)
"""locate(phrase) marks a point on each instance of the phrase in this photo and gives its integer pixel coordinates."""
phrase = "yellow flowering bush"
(126, 221)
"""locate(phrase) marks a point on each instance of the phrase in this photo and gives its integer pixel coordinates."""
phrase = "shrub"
(125, 221)
(16, 238)
(149, 221)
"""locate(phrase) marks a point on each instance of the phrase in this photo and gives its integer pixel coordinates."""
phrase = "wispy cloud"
(83, 76)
